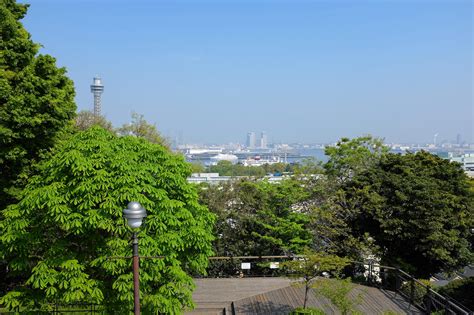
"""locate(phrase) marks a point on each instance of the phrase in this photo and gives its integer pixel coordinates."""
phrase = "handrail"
(434, 298)
(446, 299)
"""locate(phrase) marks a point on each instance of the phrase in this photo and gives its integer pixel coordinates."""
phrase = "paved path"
(274, 296)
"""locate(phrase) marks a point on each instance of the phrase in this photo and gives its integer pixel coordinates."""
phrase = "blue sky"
(306, 71)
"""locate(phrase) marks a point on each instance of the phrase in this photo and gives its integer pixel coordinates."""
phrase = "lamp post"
(134, 215)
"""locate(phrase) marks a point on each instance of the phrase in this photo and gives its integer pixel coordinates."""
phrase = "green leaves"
(36, 102)
(351, 156)
(257, 218)
(418, 208)
(74, 225)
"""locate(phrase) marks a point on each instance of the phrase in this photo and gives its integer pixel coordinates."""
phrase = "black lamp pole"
(134, 214)
(136, 279)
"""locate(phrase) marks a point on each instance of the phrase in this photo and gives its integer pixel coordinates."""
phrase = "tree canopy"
(36, 102)
(139, 127)
(58, 239)
(86, 119)
(256, 217)
(351, 156)
(418, 208)
(313, 264)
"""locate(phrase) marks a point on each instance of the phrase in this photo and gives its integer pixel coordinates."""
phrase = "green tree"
(58, 238)
(226, 168)
(36, 102)
(338, 291)
(276, 168)
(139, 127)
(309, 166)
(278, 224)
(86, 119)
(257, 218)
(329, 218)
(313, 264)
(419, 210)
(197, 167)
(460, 290)
(352, 156)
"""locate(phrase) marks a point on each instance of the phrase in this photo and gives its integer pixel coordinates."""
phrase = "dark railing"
(389, 279)
(413, 291)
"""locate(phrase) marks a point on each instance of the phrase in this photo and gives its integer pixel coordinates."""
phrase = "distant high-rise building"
(458, 139)
(263, 140)
(97, 89)
(251, 140)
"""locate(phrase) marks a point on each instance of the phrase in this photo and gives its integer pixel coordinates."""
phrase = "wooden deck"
(274, 296)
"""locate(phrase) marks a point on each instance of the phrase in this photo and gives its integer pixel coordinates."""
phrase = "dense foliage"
(139, 127)
(312, 265)
(59, 238)
(461, 290)
(338, 291)
(307, 311)
(226, 168)
(413, 211)
(349, 157)
(61, 200)
(256, 218)
(86, 119)
(419, 210)
(36, 102)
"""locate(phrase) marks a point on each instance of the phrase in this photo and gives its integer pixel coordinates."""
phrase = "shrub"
(419, 291)
(309, 311)
(461, 290)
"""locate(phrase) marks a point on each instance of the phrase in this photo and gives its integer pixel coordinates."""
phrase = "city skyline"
(252, 142)
(302, 71)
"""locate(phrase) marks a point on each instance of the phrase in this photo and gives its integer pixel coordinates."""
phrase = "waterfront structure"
(466, 160)
(97, 88)
(258, 161)
(215, 178)
(263, 140)
(224, 157)
(251, 140)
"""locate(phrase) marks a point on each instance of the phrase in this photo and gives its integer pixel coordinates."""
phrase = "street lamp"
(134, 215)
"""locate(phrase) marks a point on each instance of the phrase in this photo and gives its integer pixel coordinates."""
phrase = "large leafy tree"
(352, 156)
(36, 102)
(59, 238)
(330, 219)
(258, 218)
(139, 127)
(418, 208)
(313, 264)
(86, 119)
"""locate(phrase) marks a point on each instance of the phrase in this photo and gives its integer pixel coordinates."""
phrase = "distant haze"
(303, 71)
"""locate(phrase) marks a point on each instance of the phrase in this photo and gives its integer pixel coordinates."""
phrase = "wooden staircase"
(211, 308)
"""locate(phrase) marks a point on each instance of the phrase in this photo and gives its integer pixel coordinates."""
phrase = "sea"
(298, 155)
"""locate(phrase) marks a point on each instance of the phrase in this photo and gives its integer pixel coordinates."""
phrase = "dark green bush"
(419, 291)
(308, 311)
(461, 290)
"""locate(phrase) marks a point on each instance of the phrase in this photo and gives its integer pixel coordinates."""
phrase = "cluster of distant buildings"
(257, 145)
(252, 142)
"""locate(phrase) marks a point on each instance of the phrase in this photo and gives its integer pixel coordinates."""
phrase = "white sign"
(245, 265)
(274, 265)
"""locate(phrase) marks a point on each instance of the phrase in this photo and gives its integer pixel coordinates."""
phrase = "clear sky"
(303, 71)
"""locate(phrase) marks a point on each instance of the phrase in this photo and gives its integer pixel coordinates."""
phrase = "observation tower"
(97, 89)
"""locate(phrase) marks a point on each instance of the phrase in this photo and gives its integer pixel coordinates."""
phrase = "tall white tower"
(97, 89)
(263, 140)
(251, 140)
